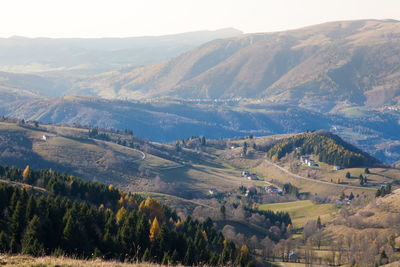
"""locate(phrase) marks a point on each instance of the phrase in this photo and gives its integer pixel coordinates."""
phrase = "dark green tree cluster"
(329, 148)
(65, 185)
(74, 224)
(290, 189)
(95, 133)
(363, 179)
(383, 191)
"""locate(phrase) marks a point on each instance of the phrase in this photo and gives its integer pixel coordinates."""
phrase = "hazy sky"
(121, 18)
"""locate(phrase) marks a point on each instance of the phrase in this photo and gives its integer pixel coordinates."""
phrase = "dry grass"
(23, 260)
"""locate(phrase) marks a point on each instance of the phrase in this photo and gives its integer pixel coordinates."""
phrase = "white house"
(213, 191)
(45, 137)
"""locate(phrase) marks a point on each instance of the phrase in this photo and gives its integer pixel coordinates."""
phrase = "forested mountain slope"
(83, 219)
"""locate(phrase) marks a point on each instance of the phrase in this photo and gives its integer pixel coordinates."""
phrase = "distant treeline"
(88, 219)
(328, 147)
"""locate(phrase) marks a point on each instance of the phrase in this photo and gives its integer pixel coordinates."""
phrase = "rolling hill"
(373, 130)
(80, 55)
(329, 148)
(316, 67)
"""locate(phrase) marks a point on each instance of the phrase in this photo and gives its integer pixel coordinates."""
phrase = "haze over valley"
(224, 145)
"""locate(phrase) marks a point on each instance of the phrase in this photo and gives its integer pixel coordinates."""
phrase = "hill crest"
(333, 62)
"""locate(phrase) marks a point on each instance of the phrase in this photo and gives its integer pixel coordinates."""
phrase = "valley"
(202, 148)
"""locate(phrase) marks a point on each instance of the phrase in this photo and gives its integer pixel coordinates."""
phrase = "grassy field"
(23, 260)
(301, 211)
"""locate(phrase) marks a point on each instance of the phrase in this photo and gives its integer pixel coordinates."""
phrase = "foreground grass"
(301, 211)
(23, 260)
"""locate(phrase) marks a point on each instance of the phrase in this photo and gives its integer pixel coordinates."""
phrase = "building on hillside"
(245, 173)
(312, 163)
(45, 137)
(213, 191)
(250, 190)
(304, 159)
(270, 189)
(293, 256)
(252, 176)
(274, 230)
(336, 168)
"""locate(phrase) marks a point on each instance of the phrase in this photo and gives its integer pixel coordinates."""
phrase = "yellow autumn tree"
(244, 253)
(26, 173)
(178, 223)
(121, 214)
(110, 187)
(204, 235)
(154, 230)
(152, 208)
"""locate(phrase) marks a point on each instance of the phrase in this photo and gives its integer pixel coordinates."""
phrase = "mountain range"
(317, 67)
(80, 55)
(339, 76)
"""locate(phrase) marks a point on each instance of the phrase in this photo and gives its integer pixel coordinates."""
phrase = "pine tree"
(3, 242)
(17, 225)
(164, 238)
(30, 208)
(146, 255)
(383, 258)
(174, 257)
(165, 259)
(71, 235)
(188, 260)
(31, 243)
(226, 255)
(142, 233)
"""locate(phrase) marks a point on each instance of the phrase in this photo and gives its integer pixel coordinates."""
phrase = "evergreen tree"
(31, 243)
(174, 257)
(383, 258)
(165, 259)
(188, 260)
(164, 238)
(146, 256)
(3, 243)
(71, 235)
(30, 208)
(17, 225)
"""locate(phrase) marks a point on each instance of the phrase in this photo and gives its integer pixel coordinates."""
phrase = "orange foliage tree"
(154, 230)
(152, 208)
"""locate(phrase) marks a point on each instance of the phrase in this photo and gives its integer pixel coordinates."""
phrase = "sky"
(124, 18)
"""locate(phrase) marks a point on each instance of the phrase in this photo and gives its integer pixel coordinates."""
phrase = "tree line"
(73, 220)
